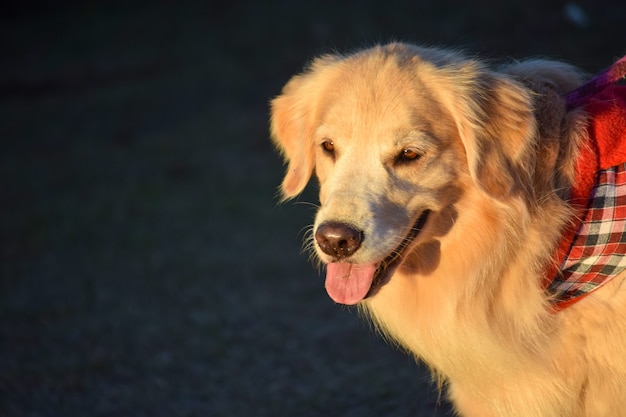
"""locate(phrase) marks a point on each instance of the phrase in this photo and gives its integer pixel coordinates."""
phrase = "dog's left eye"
(408, 155)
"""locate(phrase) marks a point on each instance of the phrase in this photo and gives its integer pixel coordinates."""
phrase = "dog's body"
(445, 190)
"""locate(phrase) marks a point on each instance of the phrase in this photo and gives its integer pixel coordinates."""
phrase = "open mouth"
(387, 266)
(349, 283)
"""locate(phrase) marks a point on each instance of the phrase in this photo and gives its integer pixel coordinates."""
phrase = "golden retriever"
(444, 192)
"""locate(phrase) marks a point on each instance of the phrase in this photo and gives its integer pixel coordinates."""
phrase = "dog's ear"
(294, 114)
(290, 130)
(497, 128)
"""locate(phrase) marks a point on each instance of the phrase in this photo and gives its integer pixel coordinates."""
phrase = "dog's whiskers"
(308, 203)
(308, 246)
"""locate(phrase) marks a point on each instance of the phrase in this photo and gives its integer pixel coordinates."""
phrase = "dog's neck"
(590, 252)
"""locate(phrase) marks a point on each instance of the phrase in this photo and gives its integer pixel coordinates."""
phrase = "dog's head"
(396, 135)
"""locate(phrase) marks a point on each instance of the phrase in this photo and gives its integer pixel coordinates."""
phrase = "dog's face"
(397, 136)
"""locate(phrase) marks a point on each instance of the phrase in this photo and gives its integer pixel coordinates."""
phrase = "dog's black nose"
(338, 239)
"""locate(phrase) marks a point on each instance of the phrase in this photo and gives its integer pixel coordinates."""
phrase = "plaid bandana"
(593, 251)
(598, 251)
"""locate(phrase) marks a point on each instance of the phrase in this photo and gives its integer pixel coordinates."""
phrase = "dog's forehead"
(370, 101)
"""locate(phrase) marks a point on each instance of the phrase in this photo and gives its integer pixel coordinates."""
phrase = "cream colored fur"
(497, 152)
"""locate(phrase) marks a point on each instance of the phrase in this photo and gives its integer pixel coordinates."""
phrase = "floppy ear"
(497, 128)
(294, 115)
(290, 130)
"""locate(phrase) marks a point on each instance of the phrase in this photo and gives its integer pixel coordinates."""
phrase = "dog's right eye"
(328, 146)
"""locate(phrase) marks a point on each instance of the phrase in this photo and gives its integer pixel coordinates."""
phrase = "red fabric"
(605, 147)
(598, 251)
(607, 139)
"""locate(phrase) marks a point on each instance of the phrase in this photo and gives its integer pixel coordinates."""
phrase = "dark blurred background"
(146, 268)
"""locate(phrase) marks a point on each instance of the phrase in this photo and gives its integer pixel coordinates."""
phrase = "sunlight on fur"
(463, 173)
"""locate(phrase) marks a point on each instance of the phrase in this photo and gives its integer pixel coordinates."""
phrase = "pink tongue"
(348, 283)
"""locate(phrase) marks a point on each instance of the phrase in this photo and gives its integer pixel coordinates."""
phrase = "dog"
(452, 194)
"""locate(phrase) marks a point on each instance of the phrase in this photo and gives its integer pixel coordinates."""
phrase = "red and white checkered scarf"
(597, 252)
(593, 251)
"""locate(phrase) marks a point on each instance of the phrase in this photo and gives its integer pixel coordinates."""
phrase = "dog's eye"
(328, 146)
(408, 155)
